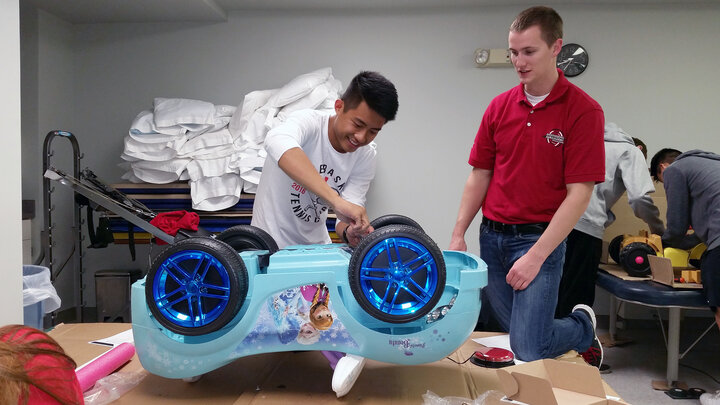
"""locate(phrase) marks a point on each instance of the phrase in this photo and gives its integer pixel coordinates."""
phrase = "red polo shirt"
(535, 151)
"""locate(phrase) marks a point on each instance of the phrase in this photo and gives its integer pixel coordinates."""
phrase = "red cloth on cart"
(171, 222)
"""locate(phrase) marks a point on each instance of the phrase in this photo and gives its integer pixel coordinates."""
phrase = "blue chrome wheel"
(196, 286)
(397, 274)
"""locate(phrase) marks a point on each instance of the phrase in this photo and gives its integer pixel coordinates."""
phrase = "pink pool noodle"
(104, 365)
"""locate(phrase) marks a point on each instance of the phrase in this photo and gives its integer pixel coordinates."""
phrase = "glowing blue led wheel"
(397, 273)
(196, 286)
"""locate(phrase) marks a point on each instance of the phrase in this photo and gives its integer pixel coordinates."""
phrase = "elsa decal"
(301, 315)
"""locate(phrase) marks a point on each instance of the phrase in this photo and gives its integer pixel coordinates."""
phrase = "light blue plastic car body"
(274, 316)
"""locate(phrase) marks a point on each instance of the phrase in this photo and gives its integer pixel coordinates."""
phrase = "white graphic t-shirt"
(291, 214)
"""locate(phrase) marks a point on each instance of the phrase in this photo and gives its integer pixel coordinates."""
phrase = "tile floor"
(634, 365)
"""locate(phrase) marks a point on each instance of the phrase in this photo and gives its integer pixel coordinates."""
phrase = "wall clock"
(572, 60)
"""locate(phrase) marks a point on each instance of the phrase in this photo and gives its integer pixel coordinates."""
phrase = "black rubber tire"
(614, 248)
(222, 260)
(628, 257)
(403, 239)
(394, 219)
(248, 237)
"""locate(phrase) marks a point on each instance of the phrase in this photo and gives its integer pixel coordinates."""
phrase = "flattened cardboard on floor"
(288, 377)
(294, 378)
(553, 382)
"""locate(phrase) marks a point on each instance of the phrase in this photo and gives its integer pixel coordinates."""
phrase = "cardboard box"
(288, 377)
(663, 272)
(625, 219)
(554, 382)
(605, 255)
(297, 377)
(617, 271)
(691, 276)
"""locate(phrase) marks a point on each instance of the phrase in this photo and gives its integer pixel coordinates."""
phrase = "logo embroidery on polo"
(555, 137)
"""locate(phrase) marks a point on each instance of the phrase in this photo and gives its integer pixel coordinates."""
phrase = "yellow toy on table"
(631, 252)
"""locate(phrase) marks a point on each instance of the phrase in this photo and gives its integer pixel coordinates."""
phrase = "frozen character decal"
(302, 316)
(308, 334)
(320, 315)
(288, 310)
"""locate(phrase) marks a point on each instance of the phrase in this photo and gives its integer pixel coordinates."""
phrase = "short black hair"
(377, 92)
(641, 144)
(665, 155)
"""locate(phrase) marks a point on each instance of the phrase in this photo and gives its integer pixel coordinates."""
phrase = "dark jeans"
(710, 273)
(577, 285)
(528, 315)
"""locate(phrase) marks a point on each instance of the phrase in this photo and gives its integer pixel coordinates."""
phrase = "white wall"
(649, 68)
(11, 237)
(635, 72)
(57, 109)
(48, 88)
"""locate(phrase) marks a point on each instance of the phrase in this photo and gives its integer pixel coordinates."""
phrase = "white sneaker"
(347, 371)
(593, 355)
(710, 399)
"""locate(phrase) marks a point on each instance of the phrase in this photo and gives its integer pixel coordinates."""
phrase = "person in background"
(692, 188)
(317, 162)
(625, 170)
(536, 157)
(34, 369)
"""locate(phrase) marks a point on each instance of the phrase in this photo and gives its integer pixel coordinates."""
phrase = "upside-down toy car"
(395, 298)
(210, 299)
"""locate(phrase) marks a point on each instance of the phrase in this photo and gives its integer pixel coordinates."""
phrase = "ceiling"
(123, 11)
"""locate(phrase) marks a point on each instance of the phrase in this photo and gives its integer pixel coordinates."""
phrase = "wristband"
(344, 235)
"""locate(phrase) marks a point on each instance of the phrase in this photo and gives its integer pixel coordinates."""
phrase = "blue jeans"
(528, 315)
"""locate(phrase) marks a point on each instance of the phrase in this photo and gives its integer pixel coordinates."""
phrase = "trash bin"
(39, 295)
(112, 294)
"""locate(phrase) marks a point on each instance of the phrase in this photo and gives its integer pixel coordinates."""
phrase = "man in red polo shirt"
(536, 157)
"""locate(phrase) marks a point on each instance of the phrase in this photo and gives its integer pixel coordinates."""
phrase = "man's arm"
(295, 163)
(645, 209)
(527, 267)
(473, 197)
(678, 207)
(349, 234)
(638, 183)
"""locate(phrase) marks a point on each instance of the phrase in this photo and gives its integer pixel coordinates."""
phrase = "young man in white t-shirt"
(318, 161)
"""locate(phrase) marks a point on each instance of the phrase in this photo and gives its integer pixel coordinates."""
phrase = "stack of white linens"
(218, 148)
